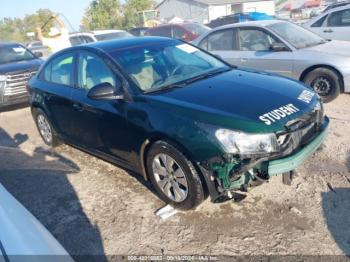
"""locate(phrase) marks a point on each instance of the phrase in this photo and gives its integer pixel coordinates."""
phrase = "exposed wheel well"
(308, 70)
(147, 144)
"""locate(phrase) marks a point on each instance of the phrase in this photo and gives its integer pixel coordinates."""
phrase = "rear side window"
(219, 41)
(339, 19)
(60, 70)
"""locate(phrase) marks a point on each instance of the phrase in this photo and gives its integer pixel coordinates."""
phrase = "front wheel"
(174, 176)
(325, 82)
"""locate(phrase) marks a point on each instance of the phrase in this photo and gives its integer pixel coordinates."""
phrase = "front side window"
(14, 53)
(160, 65)
(339, 19)
(296, 35)
(76, 40)
(60, 70)
(319, 22)
(255, 40)
(93, 71)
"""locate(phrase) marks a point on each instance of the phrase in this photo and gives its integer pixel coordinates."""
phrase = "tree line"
(100, 14)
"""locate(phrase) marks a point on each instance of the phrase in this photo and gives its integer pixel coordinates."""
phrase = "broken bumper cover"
(290, 163)
(219, 176)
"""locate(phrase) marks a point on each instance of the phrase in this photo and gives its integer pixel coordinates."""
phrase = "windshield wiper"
(189, 81)
(206, 75)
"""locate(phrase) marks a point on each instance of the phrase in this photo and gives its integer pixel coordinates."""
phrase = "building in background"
(203, 11)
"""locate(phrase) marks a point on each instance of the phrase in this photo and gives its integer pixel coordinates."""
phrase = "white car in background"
(21, 234)
(95, 36)
(333, 24)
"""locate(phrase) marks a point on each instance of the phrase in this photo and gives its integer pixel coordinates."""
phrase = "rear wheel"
(174, 176)
(325, 82)
(45, 129)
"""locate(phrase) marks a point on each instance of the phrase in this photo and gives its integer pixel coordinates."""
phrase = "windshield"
(110, 36)
(162, 65)
(14, 53)
(196, 29)
(296, 35)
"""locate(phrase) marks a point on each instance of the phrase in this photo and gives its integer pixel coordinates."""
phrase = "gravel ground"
(93, 207)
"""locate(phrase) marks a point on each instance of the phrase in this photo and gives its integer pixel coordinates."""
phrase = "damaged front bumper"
(224, 176)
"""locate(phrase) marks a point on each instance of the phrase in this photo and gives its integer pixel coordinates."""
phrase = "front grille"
(301, 131)
(16, 83)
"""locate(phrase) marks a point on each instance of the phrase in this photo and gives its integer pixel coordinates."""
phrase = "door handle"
(78, 107)
(243, 60)
(328, 31)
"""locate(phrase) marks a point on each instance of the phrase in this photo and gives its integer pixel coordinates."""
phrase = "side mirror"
(38, 54)
(105, 91)
(278, 47)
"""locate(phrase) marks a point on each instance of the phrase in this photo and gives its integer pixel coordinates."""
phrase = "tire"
(47, 133)
(325, 82)
(181, 171)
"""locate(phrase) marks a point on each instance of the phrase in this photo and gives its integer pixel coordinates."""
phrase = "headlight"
(247, 144)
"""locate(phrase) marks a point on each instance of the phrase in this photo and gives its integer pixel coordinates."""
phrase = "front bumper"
(221, 180)
(290, 163)
(14, 99)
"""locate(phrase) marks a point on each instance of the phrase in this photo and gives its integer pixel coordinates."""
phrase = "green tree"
(103, 14)
(131, 8)
(15, 29)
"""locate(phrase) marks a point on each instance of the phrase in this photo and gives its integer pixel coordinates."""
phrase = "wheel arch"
(147, 144)
(311, 68)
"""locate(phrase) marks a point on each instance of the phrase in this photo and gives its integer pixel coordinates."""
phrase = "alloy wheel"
(44, 128)
(322, 85)
(170, 177)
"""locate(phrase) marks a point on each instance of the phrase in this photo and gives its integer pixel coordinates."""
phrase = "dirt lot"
(93, 207)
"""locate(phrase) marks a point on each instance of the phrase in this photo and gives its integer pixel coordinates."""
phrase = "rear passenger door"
(58, 80)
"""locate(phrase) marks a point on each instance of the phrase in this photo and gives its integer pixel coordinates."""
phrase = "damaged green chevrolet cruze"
(192, 124)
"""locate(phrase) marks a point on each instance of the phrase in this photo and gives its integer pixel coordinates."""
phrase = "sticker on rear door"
(278, 114)
(306, 96)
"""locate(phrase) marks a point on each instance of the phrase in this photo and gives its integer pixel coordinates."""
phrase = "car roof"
(261, 23)
(102, 32)
(96, 32)
(339, 8)
(122, 43)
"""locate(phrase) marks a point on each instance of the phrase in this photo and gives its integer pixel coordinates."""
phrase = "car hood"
(20, 66)
(334, 47)
(238, 99)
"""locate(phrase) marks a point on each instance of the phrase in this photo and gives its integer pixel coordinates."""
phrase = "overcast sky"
(72, 9)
